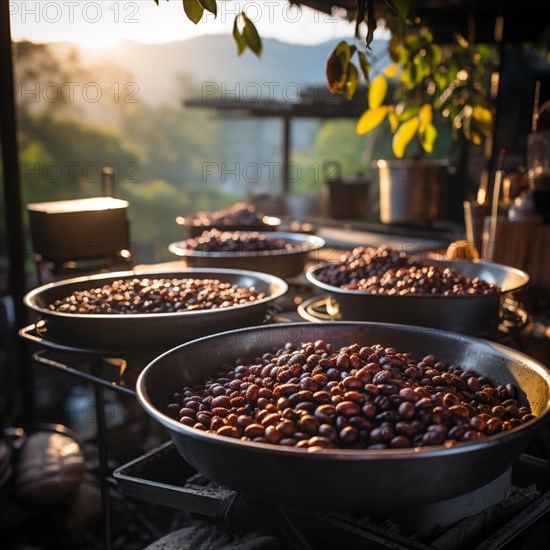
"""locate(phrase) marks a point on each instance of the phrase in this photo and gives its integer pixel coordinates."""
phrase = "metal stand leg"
(102, 445)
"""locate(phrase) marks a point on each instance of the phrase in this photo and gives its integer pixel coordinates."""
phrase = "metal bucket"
(410, 190)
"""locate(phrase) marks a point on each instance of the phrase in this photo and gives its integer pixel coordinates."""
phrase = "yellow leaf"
(403, 136)
(377, 92)
(476, 138)
(394, 121)
(428, 137)
(370, 119)
(391, 71)
(483, 118)
(425, 115)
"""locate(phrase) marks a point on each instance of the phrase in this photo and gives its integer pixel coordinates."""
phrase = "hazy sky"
(101, 23)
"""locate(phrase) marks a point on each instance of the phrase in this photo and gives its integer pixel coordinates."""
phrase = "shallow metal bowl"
(468, 314)
(281, 263)
(150, 331)
(338, 478)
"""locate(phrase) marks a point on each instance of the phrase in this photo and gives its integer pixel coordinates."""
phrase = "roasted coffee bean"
(320, 441)
(228, 431)
(387, 389)
(494, 425)
(187, 420)
(352, 383)
(478, 424)
(272, 435)
(406, 428)
(306, 406)
(406, 410)
(399, 442)
(254, 430)
(348, 408)
(348, 435)
(355, 396)
(328, 431)
(433, 438)
(308, 424)
(382, 434)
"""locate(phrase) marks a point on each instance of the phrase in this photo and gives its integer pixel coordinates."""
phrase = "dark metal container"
(281, 263)
(337, 478)
(468, 314)
(150, 331)
(82, 229)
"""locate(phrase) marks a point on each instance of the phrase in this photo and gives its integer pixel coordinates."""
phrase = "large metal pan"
(150, 331)
(281, 263)
(345, 479)
(468, 314)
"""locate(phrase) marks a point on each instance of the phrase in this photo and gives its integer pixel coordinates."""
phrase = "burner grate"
(149, 478)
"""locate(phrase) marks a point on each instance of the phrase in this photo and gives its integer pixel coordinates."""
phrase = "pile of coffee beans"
(358, 397)
(156, 295)
(236, 241)
(387, 271)
(238, 214)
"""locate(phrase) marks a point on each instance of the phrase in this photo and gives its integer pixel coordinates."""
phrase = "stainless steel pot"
(150, 331)
(410, 190)
(281, 263)
(468, 314)
(345, 479)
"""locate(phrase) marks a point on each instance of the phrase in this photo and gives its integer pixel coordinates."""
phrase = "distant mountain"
(213, 59)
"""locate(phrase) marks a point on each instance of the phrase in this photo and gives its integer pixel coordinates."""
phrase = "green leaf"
(337, 67)
(403, 136)
(352, 80)
(365, 65)
(406, 113)
(393, 48)
(193, 10)
(251, 36)
(428, 137)
(239, 38)
(401, 7)
(435, 54)
(210, 5)
(371, 118)
(377, 91)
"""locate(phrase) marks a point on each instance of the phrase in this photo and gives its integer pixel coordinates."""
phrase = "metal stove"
(510, 512)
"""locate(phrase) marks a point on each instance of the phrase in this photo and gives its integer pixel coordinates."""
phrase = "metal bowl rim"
(347, 454)
(270, 221)
(29, 298)
(311, 277)
(314, 242)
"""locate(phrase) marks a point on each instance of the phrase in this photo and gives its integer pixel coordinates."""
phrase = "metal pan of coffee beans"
(152, 310)
(347, 415)
(240, 216)
(279, 253)
(386, 285)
